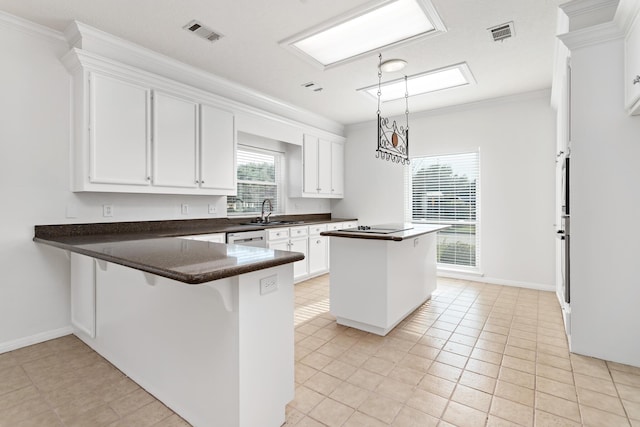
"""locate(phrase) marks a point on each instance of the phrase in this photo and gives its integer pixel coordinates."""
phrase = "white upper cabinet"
(317, 169)
(175, 141)
(137, 132)
(632, 68)
(310, 165)
(337, 169)
(217, 150)
(118, 124)
(324, 167)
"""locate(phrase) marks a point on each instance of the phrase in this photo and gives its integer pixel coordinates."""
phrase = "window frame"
(409, 214)
(279, 183)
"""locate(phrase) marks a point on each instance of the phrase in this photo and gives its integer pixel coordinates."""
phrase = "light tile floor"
(474, 355)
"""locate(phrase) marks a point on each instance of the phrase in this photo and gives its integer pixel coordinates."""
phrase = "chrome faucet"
(262, 217)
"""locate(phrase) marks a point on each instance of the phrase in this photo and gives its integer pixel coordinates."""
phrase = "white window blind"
(443, 190)
(259, 175)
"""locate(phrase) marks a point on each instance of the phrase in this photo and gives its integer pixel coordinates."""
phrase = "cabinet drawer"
(277, 234)
(299, 231)
(350, 224)
(314, 230)
(333, 226)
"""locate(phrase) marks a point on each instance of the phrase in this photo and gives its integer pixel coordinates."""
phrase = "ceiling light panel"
(365, 30)
(430, 81)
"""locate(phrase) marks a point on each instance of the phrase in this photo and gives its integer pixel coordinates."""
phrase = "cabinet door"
(300, 268)
(119, 140)
(318, 255)
(217, 150)
(175, 141)
(324, 167)
(337, 169)
(310, 164)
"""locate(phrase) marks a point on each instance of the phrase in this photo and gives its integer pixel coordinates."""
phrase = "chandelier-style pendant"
(393, 140)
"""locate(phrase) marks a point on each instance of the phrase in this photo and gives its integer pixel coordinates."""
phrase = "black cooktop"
(380, 228)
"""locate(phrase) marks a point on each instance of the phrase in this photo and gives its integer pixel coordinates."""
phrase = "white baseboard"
(35, 339)
(474, 277)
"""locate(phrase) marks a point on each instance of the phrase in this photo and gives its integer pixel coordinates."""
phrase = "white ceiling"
(249, 52)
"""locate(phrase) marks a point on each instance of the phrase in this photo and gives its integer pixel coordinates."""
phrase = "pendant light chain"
(379, 80)
(406, 100)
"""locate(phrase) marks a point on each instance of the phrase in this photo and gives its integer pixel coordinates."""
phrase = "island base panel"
(375, 284)
(219, 353)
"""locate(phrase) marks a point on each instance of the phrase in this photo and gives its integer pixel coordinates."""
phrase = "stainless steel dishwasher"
(248, 238)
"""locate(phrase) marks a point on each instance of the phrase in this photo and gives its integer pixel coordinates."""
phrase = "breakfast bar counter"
(205, 327)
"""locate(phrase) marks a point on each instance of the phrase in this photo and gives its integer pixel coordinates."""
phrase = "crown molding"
(591, 36)
(20, 24)
(588, 13)
(583, 7)
(627, 13)
(90, 39)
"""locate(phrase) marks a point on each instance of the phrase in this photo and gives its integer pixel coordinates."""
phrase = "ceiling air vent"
(312, 86)
(502, 31)
(200, 30)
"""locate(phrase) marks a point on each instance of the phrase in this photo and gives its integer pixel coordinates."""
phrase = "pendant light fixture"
(393, 140)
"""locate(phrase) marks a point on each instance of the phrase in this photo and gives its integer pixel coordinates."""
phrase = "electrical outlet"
(213, 209)
(268, 284)
(184, 209)
(107, 210)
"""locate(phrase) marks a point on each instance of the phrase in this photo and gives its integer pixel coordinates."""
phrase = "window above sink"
(259, 177)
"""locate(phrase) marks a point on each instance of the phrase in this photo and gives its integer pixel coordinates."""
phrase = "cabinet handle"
(317, 242)
(148, 178)
(636, 80)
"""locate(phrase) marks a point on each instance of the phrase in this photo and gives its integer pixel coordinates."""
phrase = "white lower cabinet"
(306, 240)
(318, 250)
(300, 268)
(291, 239)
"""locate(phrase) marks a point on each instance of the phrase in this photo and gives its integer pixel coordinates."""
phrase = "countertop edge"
(191, 279)
(397, 236)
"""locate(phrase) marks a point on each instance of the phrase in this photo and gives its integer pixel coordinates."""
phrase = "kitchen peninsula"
(380, 274)
(205, 327)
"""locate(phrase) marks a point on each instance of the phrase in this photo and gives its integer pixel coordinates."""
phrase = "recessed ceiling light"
(430, 81)
(365, 30)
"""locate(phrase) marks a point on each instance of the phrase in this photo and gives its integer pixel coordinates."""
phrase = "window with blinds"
(443, 190)
(259, 175)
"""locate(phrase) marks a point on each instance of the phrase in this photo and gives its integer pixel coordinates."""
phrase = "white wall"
(516, 139)
(35, 181)
(605, 148)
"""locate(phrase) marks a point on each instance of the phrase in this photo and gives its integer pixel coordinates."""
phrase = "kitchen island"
(205, 327)
(380, 274)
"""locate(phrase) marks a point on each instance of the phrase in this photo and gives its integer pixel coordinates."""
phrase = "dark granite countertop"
(188, 261)
(153, 246)
(410, 231)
